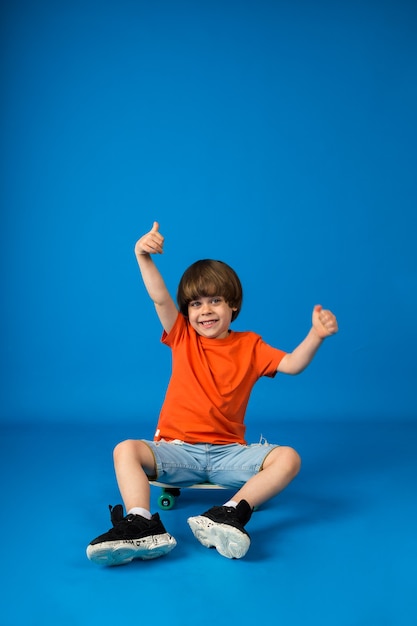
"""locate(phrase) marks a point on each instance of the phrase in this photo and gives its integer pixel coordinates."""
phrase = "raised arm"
(153, 243)
(324, 324)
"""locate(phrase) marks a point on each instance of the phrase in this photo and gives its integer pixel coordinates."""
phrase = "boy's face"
(210, 316)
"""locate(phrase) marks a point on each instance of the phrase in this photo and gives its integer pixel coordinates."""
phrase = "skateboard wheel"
(168, 496)
(166, 501)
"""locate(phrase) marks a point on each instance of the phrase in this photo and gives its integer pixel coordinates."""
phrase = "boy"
(200, 432)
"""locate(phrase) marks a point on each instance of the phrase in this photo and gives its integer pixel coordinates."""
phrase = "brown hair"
(210, 278)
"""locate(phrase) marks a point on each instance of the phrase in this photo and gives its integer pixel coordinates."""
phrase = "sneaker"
(132, 537)
(222, 527)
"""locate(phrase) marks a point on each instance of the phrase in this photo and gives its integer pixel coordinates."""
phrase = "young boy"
(200, 433)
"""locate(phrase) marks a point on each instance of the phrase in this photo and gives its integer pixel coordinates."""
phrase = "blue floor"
(337, 548)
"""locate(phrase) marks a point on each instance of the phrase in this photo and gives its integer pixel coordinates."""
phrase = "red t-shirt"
(211, 383)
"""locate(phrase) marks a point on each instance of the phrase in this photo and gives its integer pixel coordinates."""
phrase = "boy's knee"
(296, 461)
(122, 448)
(288, 457)
(133, 450)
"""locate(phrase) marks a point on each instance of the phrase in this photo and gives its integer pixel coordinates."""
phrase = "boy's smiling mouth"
(208, 323)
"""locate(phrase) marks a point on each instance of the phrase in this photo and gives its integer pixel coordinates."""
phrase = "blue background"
(278, 136)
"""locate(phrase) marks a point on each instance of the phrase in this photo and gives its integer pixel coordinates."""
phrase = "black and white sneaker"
(132, 537)
(222, 527)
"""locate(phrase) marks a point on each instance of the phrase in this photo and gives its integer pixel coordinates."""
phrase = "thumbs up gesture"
(151, 243)
(324, 322)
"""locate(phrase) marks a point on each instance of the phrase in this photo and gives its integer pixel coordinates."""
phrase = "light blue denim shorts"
(184, 464)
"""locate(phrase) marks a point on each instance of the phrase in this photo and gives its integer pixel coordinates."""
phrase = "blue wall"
(277, 136)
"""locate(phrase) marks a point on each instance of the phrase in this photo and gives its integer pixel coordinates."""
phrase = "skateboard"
(170, 493)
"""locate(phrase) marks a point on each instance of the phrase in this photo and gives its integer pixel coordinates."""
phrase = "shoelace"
(224, 512)
(127, 527)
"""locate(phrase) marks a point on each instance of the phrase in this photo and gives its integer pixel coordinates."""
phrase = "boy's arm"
(152, 243)
(324, 325)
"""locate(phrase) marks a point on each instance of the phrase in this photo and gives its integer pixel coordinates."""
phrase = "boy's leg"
(133, 536)
(223, 527)
(133, 463)
(279, 468)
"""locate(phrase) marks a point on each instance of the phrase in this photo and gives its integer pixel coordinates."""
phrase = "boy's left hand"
(324, 322)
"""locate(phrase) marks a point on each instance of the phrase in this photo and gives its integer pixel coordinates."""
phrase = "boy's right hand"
(151, 243)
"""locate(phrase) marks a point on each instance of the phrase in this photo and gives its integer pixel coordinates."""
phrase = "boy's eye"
(196, 303)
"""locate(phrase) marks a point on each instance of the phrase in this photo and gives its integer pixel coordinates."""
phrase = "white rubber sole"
(228, 541)
(124, 551)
